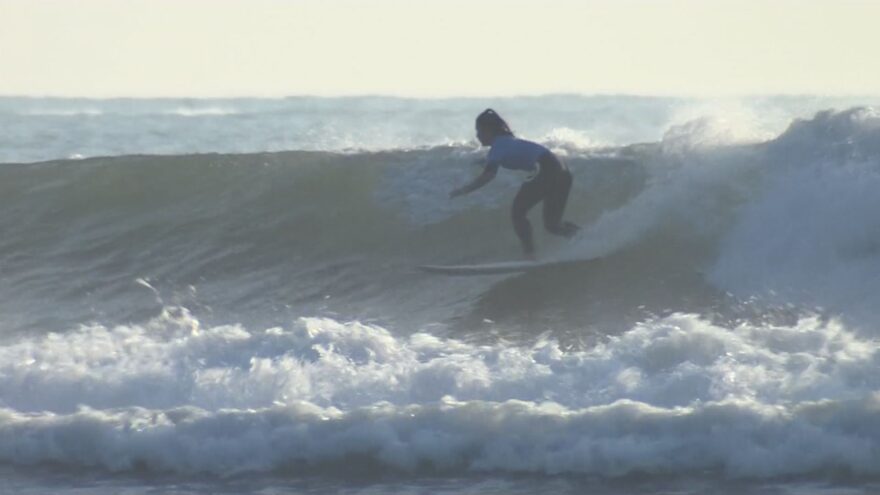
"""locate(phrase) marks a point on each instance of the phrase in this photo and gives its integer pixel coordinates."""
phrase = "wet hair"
(493, 122)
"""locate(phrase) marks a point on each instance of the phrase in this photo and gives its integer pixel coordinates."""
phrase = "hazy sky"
(437, 47)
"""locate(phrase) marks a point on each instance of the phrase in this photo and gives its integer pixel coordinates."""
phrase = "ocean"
(222, 296)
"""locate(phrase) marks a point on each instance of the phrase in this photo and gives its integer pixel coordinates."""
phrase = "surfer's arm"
(488, 174)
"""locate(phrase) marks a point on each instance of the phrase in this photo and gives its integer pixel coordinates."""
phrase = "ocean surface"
(221, 296)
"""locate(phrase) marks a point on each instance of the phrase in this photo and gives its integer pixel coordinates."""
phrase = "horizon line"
(551, 94)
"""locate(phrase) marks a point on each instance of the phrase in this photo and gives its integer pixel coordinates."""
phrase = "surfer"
(549, 179)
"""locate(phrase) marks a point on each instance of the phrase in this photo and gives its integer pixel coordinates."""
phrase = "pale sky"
(210, 48)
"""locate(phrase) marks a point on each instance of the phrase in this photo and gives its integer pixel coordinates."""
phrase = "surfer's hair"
(493, 122)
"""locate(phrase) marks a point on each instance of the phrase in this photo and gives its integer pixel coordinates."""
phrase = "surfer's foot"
(564, 229)
(569, 229)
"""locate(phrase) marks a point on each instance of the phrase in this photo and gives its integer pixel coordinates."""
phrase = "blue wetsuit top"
(515, 154)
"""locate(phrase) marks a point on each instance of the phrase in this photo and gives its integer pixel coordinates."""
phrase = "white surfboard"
(488, 268)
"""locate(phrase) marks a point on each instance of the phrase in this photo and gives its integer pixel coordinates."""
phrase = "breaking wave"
(674, 396)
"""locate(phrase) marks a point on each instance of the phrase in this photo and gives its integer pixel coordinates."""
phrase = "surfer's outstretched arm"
(483, 179)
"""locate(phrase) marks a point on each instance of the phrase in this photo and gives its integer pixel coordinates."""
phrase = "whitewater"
(204, 295)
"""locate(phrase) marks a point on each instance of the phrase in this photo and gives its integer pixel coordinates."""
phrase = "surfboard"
(488, 268)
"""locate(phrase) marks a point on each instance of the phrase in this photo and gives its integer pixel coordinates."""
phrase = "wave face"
(260, 312)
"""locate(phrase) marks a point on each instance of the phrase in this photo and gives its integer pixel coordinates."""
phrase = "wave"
(675, 396)
(685, 222)
(253, 233)
(202, 111)
(63, 112)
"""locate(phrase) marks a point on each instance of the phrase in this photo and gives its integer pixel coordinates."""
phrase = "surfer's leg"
(554, 205)
(528, 196)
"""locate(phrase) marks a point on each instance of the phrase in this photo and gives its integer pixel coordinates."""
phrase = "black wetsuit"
(551, 185)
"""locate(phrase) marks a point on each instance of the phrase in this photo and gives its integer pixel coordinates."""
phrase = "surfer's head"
(489, 126)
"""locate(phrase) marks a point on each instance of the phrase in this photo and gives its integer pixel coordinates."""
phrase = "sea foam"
(671, 396)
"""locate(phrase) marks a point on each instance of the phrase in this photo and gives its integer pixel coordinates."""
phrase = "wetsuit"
(549, 181)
